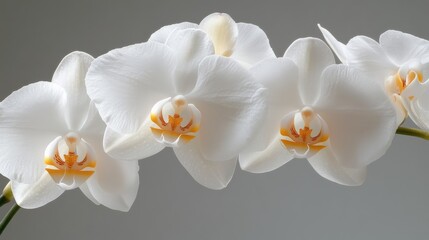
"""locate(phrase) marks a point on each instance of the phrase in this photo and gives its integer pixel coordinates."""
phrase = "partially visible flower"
(150, 99)
(319, 111)
(52, 141)
(399, 63)
(244, 42)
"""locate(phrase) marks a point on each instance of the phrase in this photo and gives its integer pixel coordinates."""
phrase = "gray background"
(292, 202)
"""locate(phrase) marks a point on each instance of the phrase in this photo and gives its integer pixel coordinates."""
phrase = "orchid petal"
(269, 159)
(162, 34)
(252, 44)
(311, 55)
(361, 119)
(93, 127)
(36, 194)
(30, 118)
(191, 46)
(416, 100)
(280, 77)
(401, 47)
(125, 83)
(134, 146)
(340, 49)
(114, 183)
(232, 106)
(400, 108)
(370, 58)
(326, 165)
(85, 190)
(70, 75)
(211, 174)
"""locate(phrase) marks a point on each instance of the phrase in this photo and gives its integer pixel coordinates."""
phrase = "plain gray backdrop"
(292, 202)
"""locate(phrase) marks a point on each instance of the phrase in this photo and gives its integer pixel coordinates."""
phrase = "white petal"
(125, 83)
(114, 183)
(252, 44)
(269, 159)
(85, 190)
(93, 127)
(401, 110)
(416, 100)
(369, 57)
(312, 56)
(339, 48)
(163, 33)
(232, 105)
(360, 117)
(326, 164)
(363, 53)
(36, 194)
(30, 118)
(280, 78)
(191, 46)
(134, 146)
(402, 47)
(211, 174)
(70, 75)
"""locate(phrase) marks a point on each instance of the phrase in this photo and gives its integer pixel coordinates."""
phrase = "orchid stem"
(8, 217)
(7, 194)
(413, 132)
(3, 200)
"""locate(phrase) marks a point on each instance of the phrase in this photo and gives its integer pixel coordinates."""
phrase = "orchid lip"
(397, 83)
(175, 121)
(304, 133)
(69, 161)
(398, 87)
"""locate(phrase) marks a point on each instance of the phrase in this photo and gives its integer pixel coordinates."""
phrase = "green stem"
(413, 132)
(3, 200)
(8, 217)
(7, 194)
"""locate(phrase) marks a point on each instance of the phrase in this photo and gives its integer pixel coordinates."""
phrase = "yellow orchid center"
(69, 161)
(304, 132)
(175, 120)
(397, 83)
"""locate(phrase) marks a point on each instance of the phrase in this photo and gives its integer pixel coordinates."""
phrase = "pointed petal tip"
(78, 53)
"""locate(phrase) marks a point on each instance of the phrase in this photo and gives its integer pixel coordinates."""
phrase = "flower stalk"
(7, 195)
(413, 132)
(8, 217)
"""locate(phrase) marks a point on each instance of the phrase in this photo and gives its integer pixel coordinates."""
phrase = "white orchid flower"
(244, 42)
(319, 111)
(52, 141)
(399, 63)
(150, 99)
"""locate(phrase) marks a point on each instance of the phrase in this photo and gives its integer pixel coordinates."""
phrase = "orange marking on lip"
(170, 121)
(61, 172)
(159, 132)
(69, 166)
(302, 147)
(300, 139)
